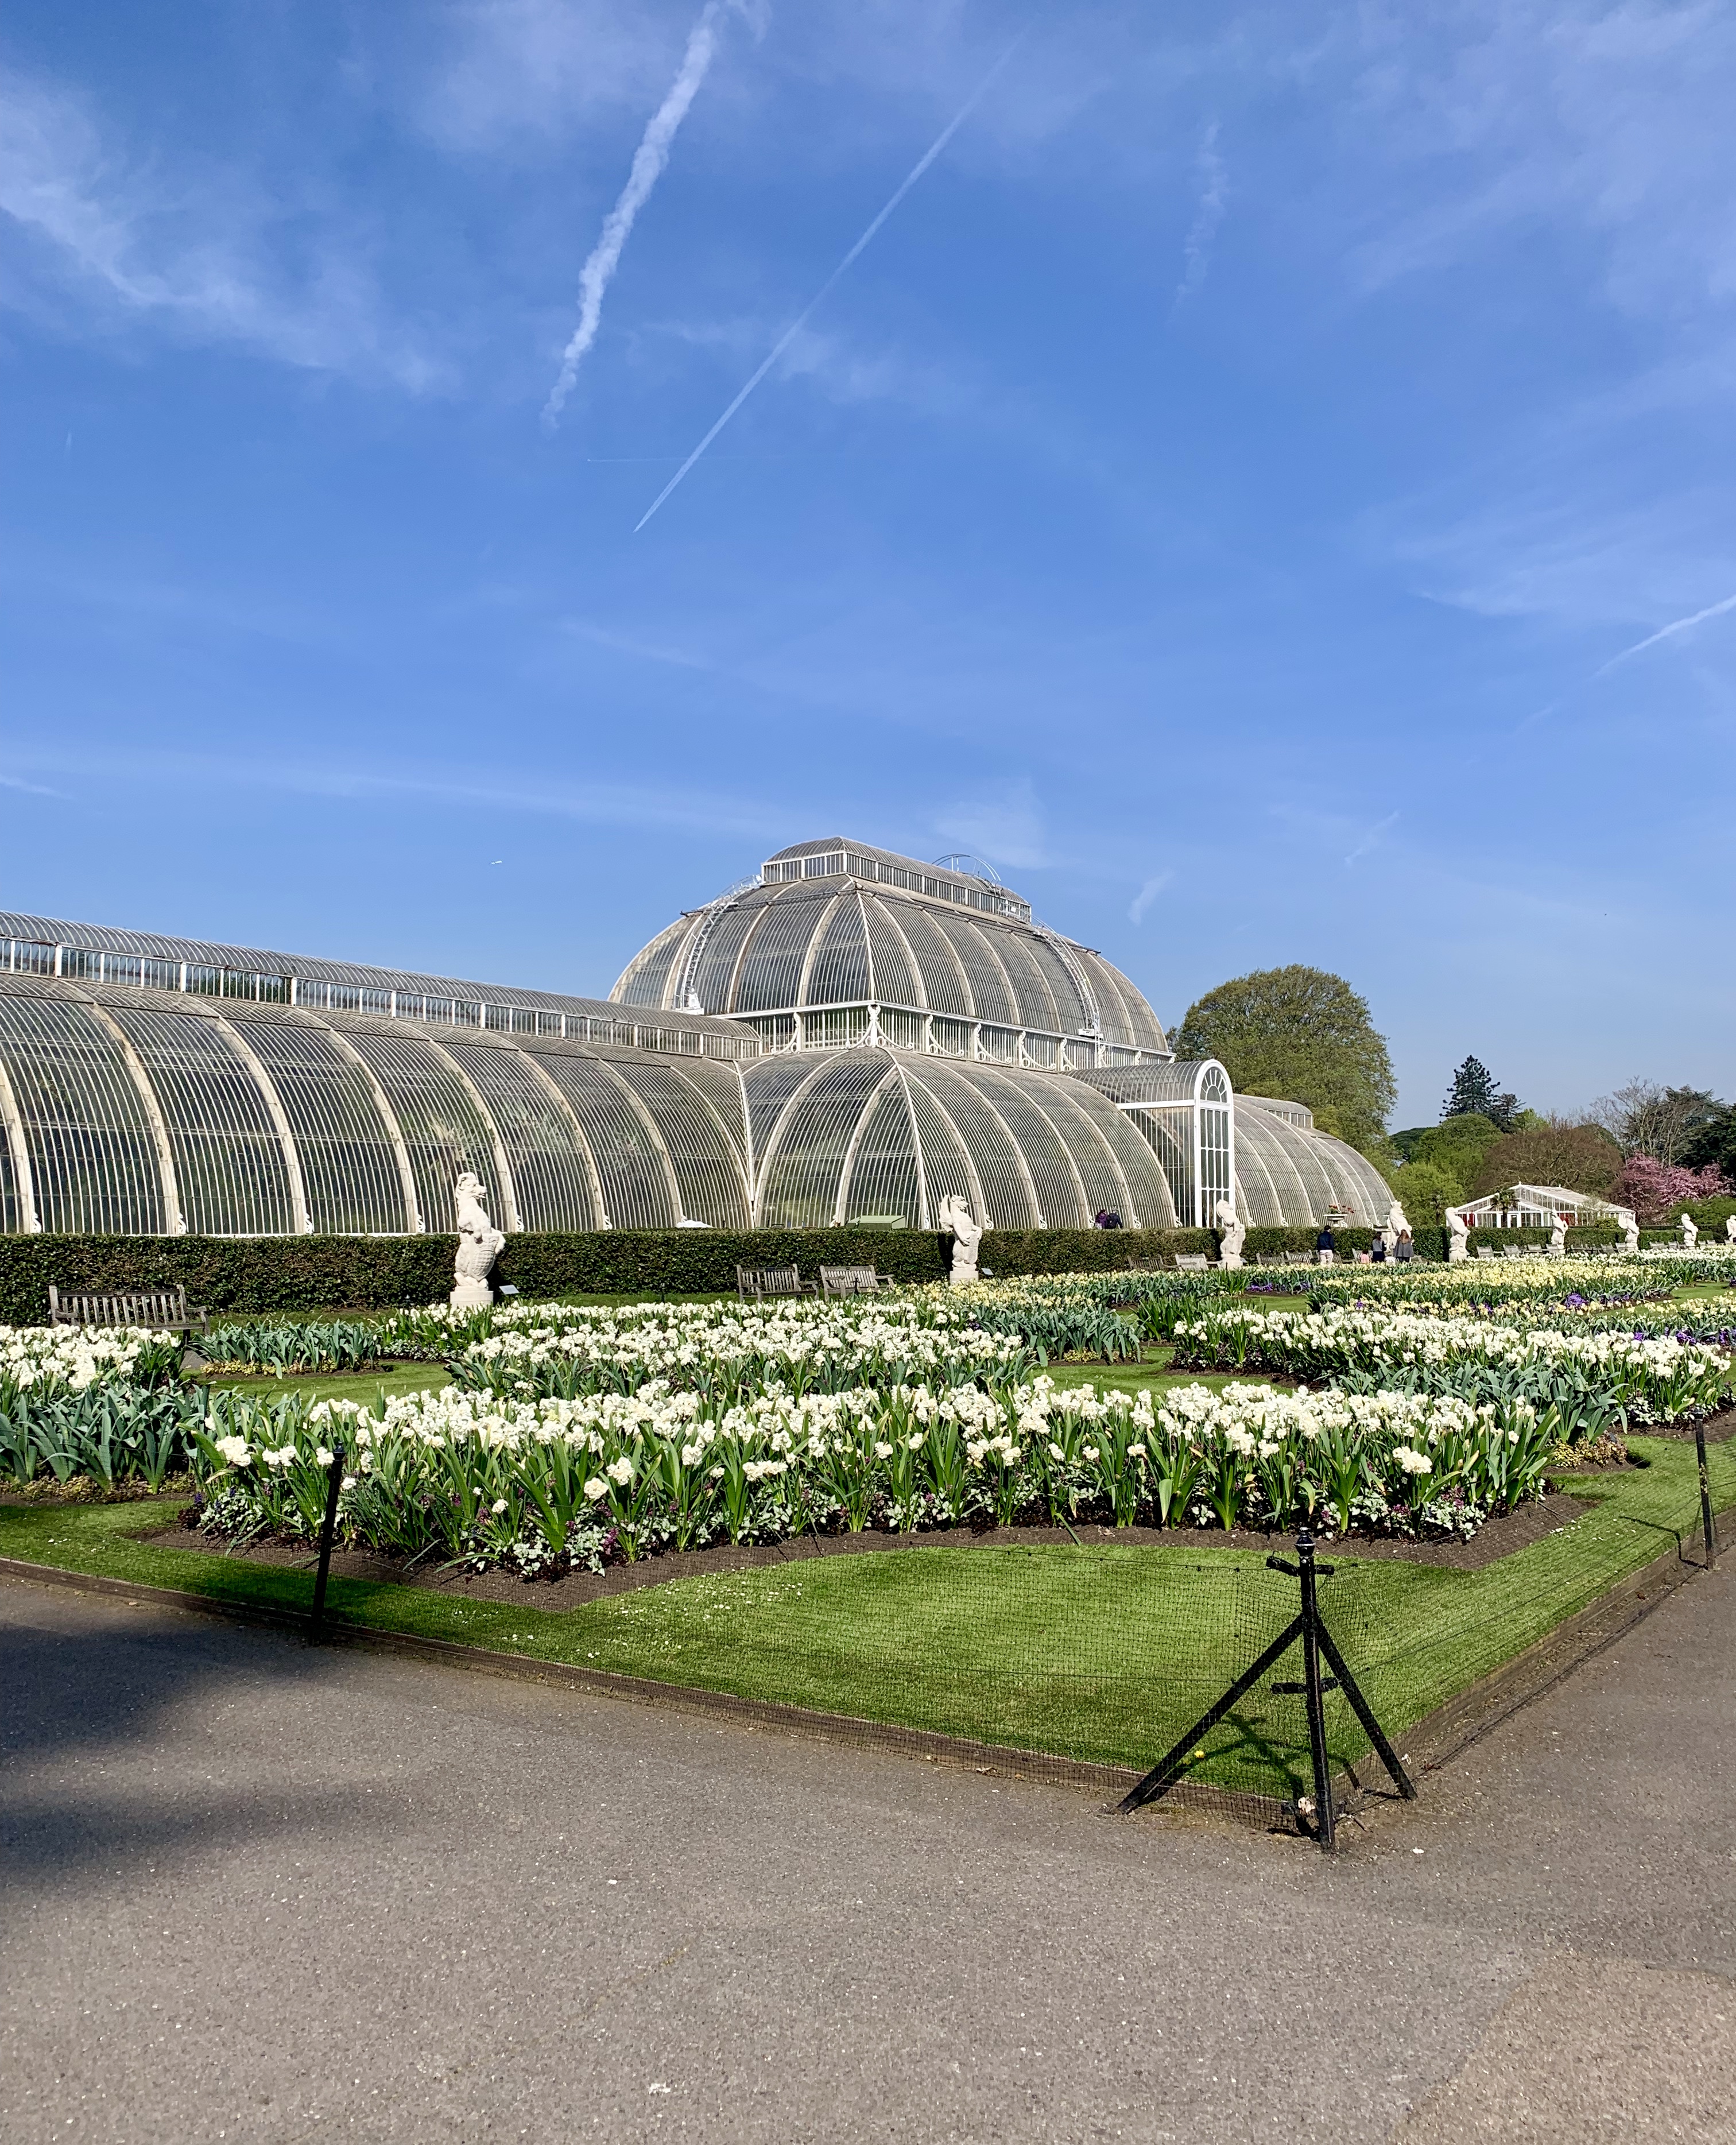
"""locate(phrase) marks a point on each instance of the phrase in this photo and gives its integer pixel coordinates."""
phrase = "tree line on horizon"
(1307, 1036)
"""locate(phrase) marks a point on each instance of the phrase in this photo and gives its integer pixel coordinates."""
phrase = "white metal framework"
(836, 944)
(152, 1086)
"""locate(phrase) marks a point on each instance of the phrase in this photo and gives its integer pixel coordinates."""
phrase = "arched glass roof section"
(919, 1048)
(863, 1133)
(1289, 1175)
(141, 1112)
(837, 942)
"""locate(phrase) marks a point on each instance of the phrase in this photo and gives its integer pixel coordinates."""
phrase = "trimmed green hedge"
(380, 1273)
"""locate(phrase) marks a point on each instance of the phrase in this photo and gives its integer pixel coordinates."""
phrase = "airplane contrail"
(1665, 632)
(649, 160)
(796, 325)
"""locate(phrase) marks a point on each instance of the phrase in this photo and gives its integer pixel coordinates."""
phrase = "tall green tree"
(1476, 1092)
(1304, 1035)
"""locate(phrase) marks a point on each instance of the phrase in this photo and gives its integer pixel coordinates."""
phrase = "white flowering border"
(1579, 1383)
(539, 1484)
(47, 1362)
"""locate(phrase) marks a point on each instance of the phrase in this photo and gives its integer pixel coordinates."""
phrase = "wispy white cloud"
(594, 804)
(801, 321)
(1668, 633)
(1212, 180)
(97, 243)
(1147, 895)
(30, 788)
(1371, 836)
(648, 162)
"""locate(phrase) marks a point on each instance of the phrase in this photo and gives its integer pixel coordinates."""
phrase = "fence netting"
(1104, 1654)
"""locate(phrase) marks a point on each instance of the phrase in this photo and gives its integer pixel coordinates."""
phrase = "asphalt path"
(253, 1892)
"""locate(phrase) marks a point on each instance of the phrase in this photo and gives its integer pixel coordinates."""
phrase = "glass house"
(851, 1037)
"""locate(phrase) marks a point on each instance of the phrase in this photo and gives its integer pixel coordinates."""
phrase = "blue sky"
(1225, 493)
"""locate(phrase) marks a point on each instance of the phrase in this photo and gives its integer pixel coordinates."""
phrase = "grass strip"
(1103, 1654)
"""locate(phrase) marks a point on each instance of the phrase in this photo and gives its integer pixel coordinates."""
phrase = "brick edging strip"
(1432, 1742)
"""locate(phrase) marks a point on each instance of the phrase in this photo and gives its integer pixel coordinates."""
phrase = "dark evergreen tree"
(1473, 1093)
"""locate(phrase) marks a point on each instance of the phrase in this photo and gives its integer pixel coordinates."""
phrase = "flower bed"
(49, 1362)
(1050, 1315)
(1581, 1384)
(540, 1487)
(101, 1404)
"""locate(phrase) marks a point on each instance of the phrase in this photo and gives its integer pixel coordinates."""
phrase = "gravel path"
(255, 1893)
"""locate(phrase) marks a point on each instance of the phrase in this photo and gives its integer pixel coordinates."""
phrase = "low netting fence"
(1182, 1672)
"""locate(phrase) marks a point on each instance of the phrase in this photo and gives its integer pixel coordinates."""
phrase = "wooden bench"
(850, 1281)
(1191, 1261)
(754, 1284)
(160, 1311)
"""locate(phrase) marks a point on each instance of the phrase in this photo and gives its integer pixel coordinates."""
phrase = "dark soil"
(1513, 1530)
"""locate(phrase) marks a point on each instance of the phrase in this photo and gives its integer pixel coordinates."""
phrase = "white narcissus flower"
(596, 1487)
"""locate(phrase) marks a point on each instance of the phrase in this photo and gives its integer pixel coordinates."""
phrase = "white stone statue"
(479, 1246)
(1557, 1237)
(1690, 1234)
(1233, 1232)
(1628, 1223)
(967, 1238)
(1395, 1224)
(1457, 1244)
(1730, 1228)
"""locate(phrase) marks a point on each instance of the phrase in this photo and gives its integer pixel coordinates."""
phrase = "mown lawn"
(1100, 1653)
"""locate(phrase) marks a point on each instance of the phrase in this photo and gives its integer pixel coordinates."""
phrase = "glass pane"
(92, 1155)
(348, 1167)
(228, 1159)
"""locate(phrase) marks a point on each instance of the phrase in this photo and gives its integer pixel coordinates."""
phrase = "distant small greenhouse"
(1536, 1207)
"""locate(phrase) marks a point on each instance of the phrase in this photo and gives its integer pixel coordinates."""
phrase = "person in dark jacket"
(1403, 1250)
(1325, 1246)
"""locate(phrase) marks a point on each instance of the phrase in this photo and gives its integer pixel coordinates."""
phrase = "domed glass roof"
(837, 943)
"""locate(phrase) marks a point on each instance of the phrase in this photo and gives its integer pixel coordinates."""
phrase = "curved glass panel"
(348, 1169)
(946, 1165)
(838, 973)
(800, 1180)
(549, 1174)
(12, 1207)
(229, 1161)
(1060, 1196)
(1006, 1185)
(637, 1188)
(1268, 1190)
(771, 969)
(713, 979)
(1036, 1001)
(895, 977)
(990, 993)
(719, 1084)
(444, 1132)
(708, 1168)
(1094, 1149)
(91, 1155)
(770, 1083)
(647, 975)
(1063, 986)
(938, 971)
(882, 1175)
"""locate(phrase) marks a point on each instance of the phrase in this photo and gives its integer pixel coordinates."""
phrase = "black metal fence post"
(1324, 1827)
(1706, 1526)
(334, 1486)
